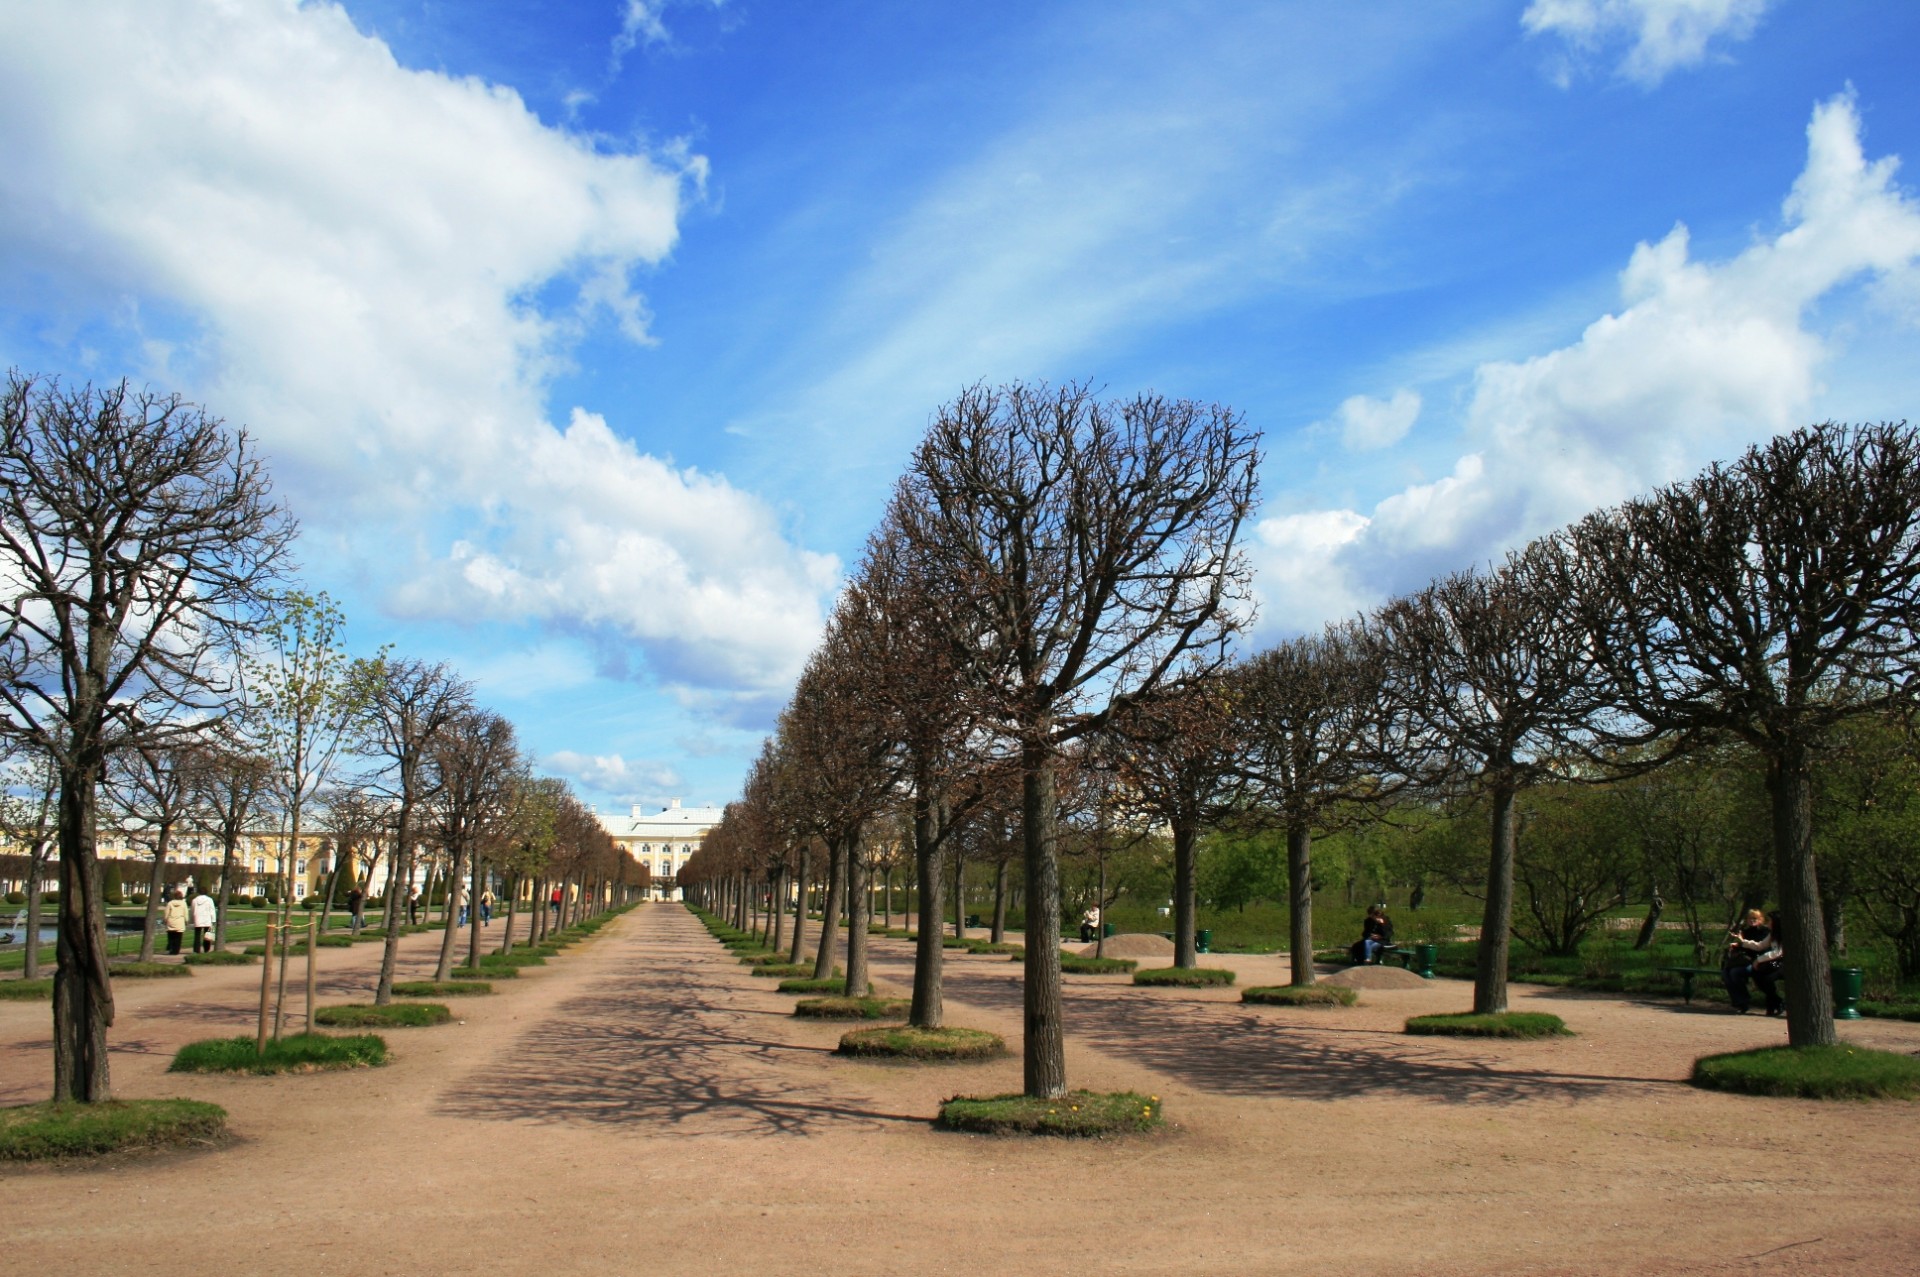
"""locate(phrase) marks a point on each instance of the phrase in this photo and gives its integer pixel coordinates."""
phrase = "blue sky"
(588, 337)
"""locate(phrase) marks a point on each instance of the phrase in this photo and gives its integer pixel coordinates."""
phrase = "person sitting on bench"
(1747, 946)
(1376, 934)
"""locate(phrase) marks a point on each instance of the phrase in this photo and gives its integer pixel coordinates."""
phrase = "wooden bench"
(1687, 975)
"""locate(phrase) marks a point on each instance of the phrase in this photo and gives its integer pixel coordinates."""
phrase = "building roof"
(674, 821)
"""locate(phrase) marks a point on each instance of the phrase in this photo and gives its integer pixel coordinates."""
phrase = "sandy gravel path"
(645, 1105)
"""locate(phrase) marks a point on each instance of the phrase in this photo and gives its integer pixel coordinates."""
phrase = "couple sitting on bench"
(1376, 936)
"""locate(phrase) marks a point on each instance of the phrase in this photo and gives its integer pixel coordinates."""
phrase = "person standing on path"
(176, 918)
(413, 906)
(204, 913)
(486, 907)
(356, 903)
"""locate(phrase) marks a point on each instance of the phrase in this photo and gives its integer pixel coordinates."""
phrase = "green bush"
(1082, 1113)
(868, 1008)
(16, 897)
(1504, 1024)
(1073, 964)
(1312, 995)
(299, 1053)
(40, 990)
(1183, 977)
(441, 989)
(40, 1132)
(1812, 1072)
(147, 970)
(221, 958)
(410, 1015)
(908, 1043)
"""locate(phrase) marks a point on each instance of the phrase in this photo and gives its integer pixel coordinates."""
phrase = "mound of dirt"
(1132, 944)
(1380, 977)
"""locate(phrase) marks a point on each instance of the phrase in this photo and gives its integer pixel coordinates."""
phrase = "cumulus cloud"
(378, 270)
(624, 781)
(1367, 423)
(1701, 358)
(1661, 35)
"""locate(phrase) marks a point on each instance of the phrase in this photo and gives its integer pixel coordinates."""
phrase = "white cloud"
(1663, 35)
(377, 270)
(623, 781)
(1367, 423)
(1702, 358)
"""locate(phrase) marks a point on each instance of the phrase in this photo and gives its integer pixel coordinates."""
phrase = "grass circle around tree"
(485, 973)
(406, 1015)
(834, 983)
(867, 1008)
(441, 989)
(784, 970)
(297, 1053)
(905, 1042)
(1501, 1024)
(1182, 977)
(39, 990)
(221, 958)
(1837, 1072)
(48, 1131)
(1074, 964)
(1078, 1113)
(1301, 995)
(147, 970)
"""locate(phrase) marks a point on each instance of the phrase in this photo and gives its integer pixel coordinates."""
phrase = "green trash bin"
(1847, 983)
(1204, 941)
(1424, 958)
(1106, 930)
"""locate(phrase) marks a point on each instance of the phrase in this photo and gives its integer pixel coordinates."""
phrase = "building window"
(299, 890)
(299, 866)
(259, 865)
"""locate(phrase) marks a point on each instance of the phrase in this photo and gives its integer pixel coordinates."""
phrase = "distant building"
(663, 840)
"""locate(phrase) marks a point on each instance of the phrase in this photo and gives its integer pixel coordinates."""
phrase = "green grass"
(1813, 1073)
(42, 1132)
(989, 946)
(868, 1008)
(40, 990)
(786, 971)
(908, 1043)
(486, 973)
(807, 984)
(299, 1053)
(407, 1015)
(221, 958)
(1312, 995)
(519, 958)
(147, 970)
(1889, 1010)
(441, 989)
(1081, 1113)
(1182, 977)
(1504, 1024)
(1073, 964)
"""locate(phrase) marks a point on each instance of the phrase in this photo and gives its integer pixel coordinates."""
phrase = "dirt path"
(645, 1105)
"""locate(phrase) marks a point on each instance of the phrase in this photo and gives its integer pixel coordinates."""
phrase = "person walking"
(203, 912)
(356, 904)
(486, 907)
(413, 906)
(176, 919)
(553, 903)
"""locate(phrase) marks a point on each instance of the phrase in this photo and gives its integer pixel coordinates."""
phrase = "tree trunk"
(513, 910)
(473, 913)
(156, 885)
(1805, 964)
(36, 868)
(1651, 922)
(829, 917)
(229, 865)
(859, 908)
(1000, 902)
(801, 875)
(399, 884)
(929, 1009)
(1300, 901)
(1045, 1047)
(959, 895)
(1186, 839)
(777, 906)
(450, 931)
(82, 987)
(1496, 921)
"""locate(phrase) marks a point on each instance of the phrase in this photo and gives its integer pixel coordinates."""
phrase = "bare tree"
(29, 789)
(153, 789)
(479, 765)
(1082, 551)
(1768, 599)
(234, 785)
(138, 544)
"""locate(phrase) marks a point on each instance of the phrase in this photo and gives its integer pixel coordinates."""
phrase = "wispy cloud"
(1660, 36)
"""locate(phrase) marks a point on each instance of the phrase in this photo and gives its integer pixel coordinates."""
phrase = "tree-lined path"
(644, 1104)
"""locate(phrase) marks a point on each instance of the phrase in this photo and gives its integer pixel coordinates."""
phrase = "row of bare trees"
(154, 648)
(1043, 620)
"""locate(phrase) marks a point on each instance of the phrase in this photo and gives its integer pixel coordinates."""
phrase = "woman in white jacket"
(176, 917)
(204, 912)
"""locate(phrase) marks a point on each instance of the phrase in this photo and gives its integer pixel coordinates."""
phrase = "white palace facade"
(663, 840)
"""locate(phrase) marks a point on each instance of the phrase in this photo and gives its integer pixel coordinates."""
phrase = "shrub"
(1504, 1024)
(908, 1043)
(148, 970)
(868, 1008)
(989, 946)
(807, 984)
(409, 1015)
(221, 958)
(298, 1053)
(441, 989)
(1183, 977)
(39, 1132)
(26, 990)
(1073, 964)
(16, 897)
(486, 973)
(1312, 995)
(785, 970)
(1081, 1113)
(1812, 1072)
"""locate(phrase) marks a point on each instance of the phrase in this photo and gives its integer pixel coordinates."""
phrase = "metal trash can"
(1203, 941)
(1106, 930)
(1424, 958)
(1847, 985)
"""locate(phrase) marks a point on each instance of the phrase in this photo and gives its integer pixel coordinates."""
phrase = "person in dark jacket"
(1376, 933)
